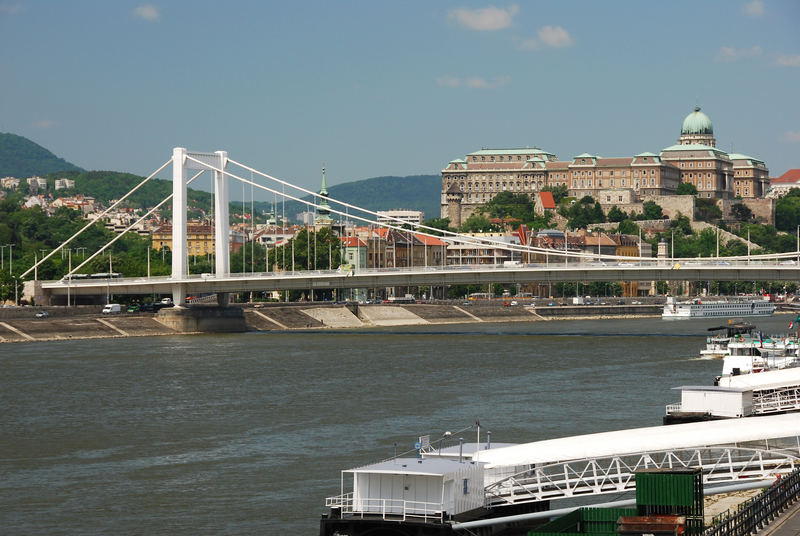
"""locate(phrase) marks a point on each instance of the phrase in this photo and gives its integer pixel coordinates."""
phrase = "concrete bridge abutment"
(212, 319)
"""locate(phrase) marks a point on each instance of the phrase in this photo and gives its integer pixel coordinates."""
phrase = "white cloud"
(788, 61)
(487, 19)
(554, 36)
(736, 54)
(754, 8)
(474, 82)
(792, 136)
(44, 124)
(548, 36)
(146, 12)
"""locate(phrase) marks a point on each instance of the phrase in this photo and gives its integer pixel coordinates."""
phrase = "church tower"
(323, 216)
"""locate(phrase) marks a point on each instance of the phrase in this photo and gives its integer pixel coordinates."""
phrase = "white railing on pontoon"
(386, 508)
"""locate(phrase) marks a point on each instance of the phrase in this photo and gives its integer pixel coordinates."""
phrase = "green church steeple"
(323, 210)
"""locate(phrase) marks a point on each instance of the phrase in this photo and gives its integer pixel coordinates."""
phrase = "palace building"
(469, 183)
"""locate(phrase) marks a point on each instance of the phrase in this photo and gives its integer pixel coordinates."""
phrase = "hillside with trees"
(21, 158)
(415, 192)
(106, 186)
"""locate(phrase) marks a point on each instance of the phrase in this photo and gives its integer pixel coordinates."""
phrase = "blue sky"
(377, 88)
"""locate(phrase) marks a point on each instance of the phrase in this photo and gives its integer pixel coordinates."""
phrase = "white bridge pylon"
(215, 162)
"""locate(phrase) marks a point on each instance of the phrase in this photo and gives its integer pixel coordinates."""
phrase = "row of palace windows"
(501, 158)
(699, 184)
(699, 175)
(699, 164)
(611, 173)
(588, 183)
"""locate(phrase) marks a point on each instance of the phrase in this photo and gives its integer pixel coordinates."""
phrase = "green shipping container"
(594, 521)
(672, 492)
(668, 487)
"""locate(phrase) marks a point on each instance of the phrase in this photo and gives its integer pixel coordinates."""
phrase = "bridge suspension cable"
(131, 226)
(455, 236)
(459, 237)
(106, 211)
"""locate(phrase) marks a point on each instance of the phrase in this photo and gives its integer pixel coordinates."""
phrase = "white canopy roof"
(763, 380)
(651, 439)
(416, 466)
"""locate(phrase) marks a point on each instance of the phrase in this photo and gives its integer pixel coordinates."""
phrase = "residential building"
(85, 204)
(63, 184)
(36, 183)
(400, 217)
(355, 251)
(9, 183)
(493, 251)
(780, 186)
(199, 238)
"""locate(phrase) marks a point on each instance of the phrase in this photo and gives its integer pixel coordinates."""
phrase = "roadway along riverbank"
(21, 325)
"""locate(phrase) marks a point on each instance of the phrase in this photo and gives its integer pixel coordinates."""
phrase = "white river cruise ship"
(710, 309)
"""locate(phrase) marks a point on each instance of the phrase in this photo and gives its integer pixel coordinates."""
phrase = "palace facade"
(470, 182)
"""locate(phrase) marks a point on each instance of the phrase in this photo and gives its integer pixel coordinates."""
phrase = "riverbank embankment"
(68, 323)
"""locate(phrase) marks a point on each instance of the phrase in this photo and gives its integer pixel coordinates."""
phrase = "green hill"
(415, 192)
(21, 158)
(106, 186)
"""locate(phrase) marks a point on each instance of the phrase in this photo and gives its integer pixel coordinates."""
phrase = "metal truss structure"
(617, 473)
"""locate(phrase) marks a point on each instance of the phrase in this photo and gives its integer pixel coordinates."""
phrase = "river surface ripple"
(248, 433)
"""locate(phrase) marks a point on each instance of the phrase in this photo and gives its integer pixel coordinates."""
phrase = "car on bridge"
(42, 314)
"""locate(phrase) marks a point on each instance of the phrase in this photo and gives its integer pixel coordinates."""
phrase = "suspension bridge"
(549, 265)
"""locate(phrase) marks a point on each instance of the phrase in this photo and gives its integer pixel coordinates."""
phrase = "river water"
(248, 433)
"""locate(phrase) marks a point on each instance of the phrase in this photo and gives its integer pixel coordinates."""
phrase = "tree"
(559, 192)
(628, 227)
(583, 213)
(686, 188)
(787, 211)
(325, 244)
(652, 211)
(477, 224)
(508, 204)
(682, 224)
(742, 212)
(707, 209)
(438, 223)
(616, 215)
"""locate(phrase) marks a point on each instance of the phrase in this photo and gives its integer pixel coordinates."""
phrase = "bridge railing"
(754, 514)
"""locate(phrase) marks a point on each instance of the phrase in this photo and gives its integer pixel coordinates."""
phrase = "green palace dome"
(697, 123)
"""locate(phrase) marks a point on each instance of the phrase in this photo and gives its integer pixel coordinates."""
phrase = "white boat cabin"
(416, 487)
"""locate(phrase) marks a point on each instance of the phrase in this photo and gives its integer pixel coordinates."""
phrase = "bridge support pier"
(203, 319)
(223, 299)
(179, 295)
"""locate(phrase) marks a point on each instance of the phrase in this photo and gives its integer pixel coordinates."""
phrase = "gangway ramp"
(733, 450)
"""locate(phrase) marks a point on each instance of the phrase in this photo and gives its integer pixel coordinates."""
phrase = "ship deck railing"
(673, 408)
(387, 509)
(764, 402)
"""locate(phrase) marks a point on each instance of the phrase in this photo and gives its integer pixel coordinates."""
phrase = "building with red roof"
(780, 186)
